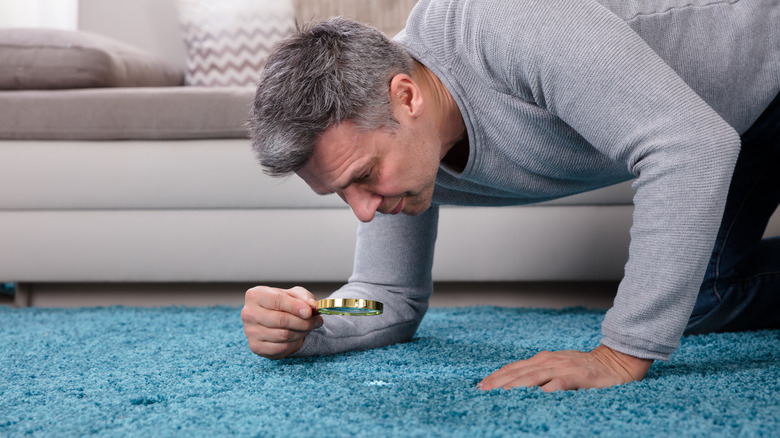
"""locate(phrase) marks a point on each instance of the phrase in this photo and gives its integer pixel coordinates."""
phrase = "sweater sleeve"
(584, 65)
(393, 262)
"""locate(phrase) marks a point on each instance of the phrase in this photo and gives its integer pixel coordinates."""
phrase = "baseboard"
(446, 294)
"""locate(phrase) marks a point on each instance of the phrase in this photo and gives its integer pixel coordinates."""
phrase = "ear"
(406, 96)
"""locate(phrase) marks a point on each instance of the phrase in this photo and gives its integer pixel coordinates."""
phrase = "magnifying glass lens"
(349, 306)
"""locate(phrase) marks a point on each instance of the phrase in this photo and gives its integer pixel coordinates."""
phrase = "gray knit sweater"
(564, 96)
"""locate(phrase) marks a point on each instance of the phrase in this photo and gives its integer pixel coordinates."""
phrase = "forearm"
(393, 262)
(403, 311)
(678, 210)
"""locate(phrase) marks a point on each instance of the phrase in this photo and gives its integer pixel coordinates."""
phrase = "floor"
(547, 294)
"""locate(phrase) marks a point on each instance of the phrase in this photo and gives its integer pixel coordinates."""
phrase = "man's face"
(375, 171)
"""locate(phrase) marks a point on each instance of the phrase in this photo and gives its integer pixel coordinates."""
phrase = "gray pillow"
(58, 59)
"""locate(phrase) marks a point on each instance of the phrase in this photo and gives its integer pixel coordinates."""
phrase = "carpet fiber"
(123, 371)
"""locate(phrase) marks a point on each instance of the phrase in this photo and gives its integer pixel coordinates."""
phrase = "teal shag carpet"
(128, 372)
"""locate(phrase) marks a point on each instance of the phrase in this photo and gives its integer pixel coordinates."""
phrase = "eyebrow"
(324, 191)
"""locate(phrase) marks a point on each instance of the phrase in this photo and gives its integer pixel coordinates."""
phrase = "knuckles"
(264, 296)
(247, 315)
(286, 335)
(280, 320)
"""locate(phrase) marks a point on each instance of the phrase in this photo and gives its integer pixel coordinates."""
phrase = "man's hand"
(277, 320)
(553, 371)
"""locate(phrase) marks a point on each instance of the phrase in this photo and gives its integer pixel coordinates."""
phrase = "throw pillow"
(227, 40)
(56, 59)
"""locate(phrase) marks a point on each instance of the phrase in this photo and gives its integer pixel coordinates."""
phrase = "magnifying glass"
(349, 306)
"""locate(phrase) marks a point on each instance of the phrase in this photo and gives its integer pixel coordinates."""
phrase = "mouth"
(398, 207)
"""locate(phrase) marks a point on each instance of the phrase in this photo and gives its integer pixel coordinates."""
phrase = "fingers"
(563, 370)
(296, 301)
(530, 372)
(277, 320)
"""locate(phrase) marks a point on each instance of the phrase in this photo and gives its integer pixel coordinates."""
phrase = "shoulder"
(486, 38)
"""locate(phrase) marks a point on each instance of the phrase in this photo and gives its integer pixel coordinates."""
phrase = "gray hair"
(324, 74)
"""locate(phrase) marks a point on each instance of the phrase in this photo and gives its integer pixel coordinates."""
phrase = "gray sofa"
(159, 184)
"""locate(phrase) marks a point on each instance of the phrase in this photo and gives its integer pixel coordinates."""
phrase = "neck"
(447, 118)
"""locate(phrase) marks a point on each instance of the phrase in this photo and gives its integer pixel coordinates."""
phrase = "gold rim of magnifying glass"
(369, 307)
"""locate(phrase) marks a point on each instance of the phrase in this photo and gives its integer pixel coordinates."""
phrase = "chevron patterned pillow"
(227, 40)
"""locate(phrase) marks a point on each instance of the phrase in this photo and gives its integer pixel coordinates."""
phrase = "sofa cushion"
(227, 40)
(125, 113)
(57, 59)
(173, 174)
(145, 174)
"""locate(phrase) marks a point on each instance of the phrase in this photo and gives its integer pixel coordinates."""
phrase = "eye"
(365, 177)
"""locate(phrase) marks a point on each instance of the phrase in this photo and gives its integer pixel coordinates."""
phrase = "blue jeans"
(741, 288)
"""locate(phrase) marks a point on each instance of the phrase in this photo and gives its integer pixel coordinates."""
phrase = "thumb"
(303, 295)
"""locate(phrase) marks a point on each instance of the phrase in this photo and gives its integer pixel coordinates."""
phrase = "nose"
(363, 203)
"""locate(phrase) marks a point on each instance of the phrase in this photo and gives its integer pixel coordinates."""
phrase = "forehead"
(340, 155)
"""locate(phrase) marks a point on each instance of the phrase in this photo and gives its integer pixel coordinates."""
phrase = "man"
(503, 103)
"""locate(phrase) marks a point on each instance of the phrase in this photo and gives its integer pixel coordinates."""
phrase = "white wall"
(150, 25)
(59, 14)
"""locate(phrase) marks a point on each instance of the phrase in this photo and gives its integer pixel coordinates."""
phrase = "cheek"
(419, 173)
(414, 168)
(431, 169)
